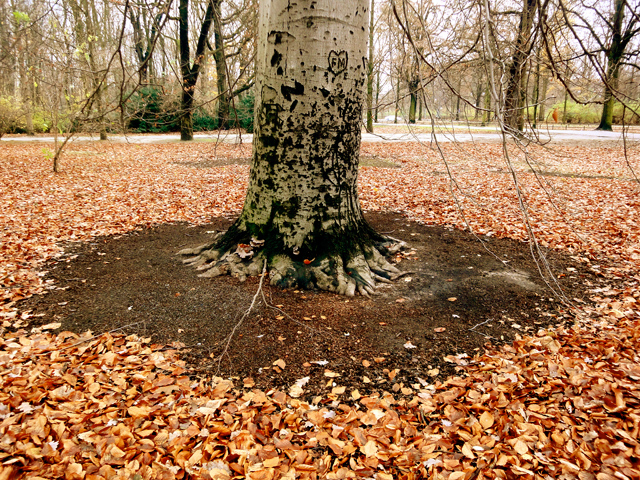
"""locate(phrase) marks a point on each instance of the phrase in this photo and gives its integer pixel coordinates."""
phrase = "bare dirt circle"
(459, 294)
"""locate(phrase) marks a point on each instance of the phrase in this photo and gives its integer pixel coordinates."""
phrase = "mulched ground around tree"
(459, 294)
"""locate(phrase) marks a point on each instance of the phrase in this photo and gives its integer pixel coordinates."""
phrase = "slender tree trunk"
(186, 103)
(614, 56)
(190, 71)
(458, 99)
(476, 114)
(513, 104)
(413, 97)
(5, 43)
(99, 92)
(370, 72)
(377, 94)
(29, 117)
(524, 104)
(395, 119)
(536, 95)
(139, 46)
(186, 118)
(27, 84)
(96, 77)
(545, 86)
(486, 118)
(564, 107)
(224, 95)
(301, 217)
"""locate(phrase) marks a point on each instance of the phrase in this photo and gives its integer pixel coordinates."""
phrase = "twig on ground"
(473, 329)
(244, 316)
(479, 324)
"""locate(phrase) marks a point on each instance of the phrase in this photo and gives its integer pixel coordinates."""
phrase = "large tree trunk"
(302, 214)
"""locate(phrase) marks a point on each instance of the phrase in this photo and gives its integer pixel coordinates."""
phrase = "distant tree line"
(188, 65)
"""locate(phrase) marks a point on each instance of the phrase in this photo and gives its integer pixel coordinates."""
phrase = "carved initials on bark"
(338, 61)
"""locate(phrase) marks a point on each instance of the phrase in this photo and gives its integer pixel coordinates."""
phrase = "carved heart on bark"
(338, 61)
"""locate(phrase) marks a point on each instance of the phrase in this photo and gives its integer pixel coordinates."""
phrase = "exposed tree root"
(360, 272)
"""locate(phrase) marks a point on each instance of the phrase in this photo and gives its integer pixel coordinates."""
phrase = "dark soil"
(458, 297)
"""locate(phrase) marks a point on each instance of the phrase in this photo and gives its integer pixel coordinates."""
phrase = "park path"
(477, 134)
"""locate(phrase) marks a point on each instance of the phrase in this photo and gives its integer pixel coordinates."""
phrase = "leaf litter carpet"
(556, 403)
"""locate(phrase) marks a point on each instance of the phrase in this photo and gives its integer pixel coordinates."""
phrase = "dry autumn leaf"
(486, 420)
(520, 447)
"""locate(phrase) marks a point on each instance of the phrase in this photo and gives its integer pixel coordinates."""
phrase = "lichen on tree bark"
(302, 213)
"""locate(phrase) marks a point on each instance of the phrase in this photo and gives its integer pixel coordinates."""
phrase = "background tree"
(603, 38)
(370, 68)
(620, 37)
(240, 25)
(514, 96)
(147, 24)
(191, 70)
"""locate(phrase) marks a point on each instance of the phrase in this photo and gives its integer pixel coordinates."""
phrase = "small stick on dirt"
(472, 329)
(487, 321)
(244, 316)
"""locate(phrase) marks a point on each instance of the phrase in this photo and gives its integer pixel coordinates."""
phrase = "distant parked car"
(391, 118)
